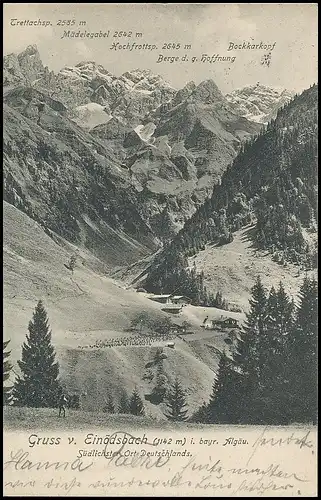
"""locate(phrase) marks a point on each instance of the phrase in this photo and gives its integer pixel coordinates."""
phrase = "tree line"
(272, 376)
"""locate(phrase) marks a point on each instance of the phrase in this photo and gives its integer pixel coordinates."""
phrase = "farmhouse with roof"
(172, 308)
(162, 299)
(222, 322)
(179, 300)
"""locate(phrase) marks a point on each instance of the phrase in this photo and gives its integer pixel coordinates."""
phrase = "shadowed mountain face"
(87, 153)
(68, 181)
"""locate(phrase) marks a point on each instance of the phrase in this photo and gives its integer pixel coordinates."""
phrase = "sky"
(208, 28)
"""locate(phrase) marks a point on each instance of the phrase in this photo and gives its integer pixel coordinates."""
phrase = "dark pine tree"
(222, 407)
(136, 405)
(249, 357)
(304, 355)
(7, 367)
(109, 406)
(74, 402)
(38, 384)
(176, 403)
(158, 356)
(159, 390)
(276, 392)
(123, 403)
(200, 416)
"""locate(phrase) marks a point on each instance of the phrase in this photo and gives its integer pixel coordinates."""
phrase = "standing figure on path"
(62, 405)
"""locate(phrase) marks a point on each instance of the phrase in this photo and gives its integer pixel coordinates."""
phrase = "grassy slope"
(36, 419)
(233, 268)
(89, 306)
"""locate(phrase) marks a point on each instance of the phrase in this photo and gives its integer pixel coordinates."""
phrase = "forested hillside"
(271, 376)
(272, 185)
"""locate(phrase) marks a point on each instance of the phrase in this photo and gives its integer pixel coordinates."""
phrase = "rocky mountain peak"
(29, 51)
(259, 102)
(144, 80)
(87, 71)
(92, 66)
(22, 68)
(207, 92)
(137, 74)
(184, 93)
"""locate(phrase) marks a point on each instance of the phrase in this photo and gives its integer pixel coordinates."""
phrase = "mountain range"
(176, 190)
(171, 146)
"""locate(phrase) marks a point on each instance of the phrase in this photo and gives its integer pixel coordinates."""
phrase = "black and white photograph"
(160, 232)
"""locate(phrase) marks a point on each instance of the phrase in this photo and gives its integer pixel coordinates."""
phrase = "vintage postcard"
(160, 249)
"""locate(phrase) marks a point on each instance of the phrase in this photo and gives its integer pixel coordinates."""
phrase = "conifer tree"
(285, 313)
(109, 406)
(222, 406)
(275, 392)
(141, 321)
(249, 357)
(136, 405)
(123, 403)
(7, 367)
(72, 262)
(159, 391)
(158, 356)
(176, 403)
(218, 300)
(200, 416)
(162, 326)
(38, 384)
(304, 354)
(74, 402)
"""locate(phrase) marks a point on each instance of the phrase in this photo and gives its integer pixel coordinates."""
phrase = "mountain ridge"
(169, 169)
(283, 213)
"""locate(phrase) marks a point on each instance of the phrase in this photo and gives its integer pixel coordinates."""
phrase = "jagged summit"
(22, 68)
(92, 66)
(30, 50)
(144, 79)
(259, 102)
(184, 93)
(138, 73)
(85, 63)
(208, 92)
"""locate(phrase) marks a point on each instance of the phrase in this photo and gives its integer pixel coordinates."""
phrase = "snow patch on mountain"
(259, 103)
(145, 132)
(90, 115)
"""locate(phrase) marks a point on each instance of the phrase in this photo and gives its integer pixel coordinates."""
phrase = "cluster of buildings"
(174, 304)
